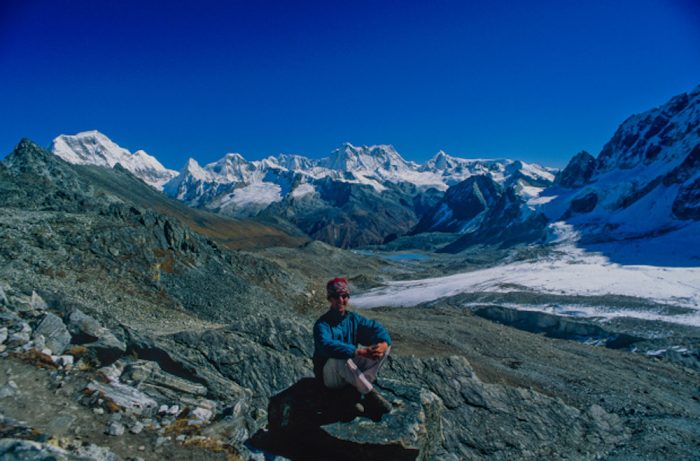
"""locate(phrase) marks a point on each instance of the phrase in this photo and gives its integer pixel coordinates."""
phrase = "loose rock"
(56, 333)
(115, 428)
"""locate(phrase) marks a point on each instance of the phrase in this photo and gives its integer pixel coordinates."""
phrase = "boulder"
(27, 450)
(153, 380)
(37, 302)
(18, 339)
(55, 332)
(88, 331)
(123, 397)
(309, 421)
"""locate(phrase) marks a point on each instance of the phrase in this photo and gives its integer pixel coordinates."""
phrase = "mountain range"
(645, 181)
(357, 196)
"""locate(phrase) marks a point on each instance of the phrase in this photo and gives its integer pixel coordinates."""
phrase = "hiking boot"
(376, 405)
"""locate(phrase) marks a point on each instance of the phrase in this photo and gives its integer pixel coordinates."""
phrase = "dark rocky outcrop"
(687, 202)
(583, 204)
(507, 222)
(349, 215)
(462, 204)
(577, 172)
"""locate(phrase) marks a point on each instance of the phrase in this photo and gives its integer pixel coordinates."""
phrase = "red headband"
(337, 286)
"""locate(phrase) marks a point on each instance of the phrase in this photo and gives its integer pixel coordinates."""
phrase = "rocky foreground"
(124, 334)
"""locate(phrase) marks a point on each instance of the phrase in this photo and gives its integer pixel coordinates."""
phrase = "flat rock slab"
(414, 416)
(125, 397)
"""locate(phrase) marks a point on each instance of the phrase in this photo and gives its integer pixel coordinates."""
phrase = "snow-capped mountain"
(374, 166)
(645, 181)
(348, 185)
(453, 170)
(94, 148)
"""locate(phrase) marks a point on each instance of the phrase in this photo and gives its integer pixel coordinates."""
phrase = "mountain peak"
(95, 148)
(440, 161)
(664, 134)
(365, 159)
(193, 169)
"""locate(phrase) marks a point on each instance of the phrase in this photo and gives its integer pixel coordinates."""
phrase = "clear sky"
(531, 80)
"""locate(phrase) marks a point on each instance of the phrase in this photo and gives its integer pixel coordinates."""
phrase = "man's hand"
(375, 352)
(378, 350)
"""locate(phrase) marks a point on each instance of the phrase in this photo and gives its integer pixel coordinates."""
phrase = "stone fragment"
(18, 339)
(136, 428)
(39, 342)
(27, 450)
(149, 373)
(20, 303)
(162, 440)
(37, 302)
(111, 373)
(3, 297)
(181, 438)
(63, 360)
(56, 333)
(98, 411)
(3, 334)
(95, 453)
(114, 428)
(201, 414)
(125, 397)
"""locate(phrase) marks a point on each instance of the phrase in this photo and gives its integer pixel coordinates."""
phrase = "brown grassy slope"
(235, 234)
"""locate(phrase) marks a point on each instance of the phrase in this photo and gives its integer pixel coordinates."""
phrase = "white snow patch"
(302, 190)
(257, 193)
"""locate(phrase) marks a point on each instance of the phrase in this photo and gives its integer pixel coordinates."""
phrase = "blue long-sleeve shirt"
(337, 336)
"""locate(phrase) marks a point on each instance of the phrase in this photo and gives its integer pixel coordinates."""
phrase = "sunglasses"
(344, 295)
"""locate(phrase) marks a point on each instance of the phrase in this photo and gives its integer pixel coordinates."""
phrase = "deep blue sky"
(533, 80)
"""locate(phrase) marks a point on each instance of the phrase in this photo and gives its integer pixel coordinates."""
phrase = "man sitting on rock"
(338, 358)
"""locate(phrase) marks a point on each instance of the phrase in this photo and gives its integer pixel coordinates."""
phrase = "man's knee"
(332, 376)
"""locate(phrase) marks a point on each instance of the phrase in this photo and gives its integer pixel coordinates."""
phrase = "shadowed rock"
(308, 421)
(88, 331)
